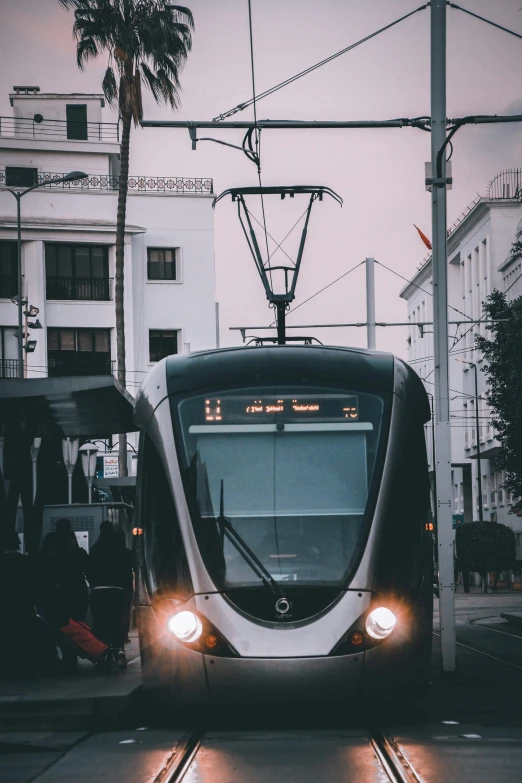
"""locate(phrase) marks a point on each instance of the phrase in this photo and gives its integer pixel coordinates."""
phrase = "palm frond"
(147, 39)
(110, 86)
(85, 50)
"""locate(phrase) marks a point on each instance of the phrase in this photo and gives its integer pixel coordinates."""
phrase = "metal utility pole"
(370, 303)
(440, 333)
(20, 305)
(477, 435)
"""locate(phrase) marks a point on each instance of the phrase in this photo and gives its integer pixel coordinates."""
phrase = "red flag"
(423, 237)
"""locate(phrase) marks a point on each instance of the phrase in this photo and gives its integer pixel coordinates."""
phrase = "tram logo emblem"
(283, 605)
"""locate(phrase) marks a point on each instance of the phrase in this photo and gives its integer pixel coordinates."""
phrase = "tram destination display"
(241, 409)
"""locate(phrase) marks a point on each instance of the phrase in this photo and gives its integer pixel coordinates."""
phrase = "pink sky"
(379, 174)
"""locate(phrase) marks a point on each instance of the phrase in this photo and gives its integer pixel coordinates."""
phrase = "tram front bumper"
(236, 680)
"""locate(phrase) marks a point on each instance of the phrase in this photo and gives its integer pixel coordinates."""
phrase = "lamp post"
(477, 437)
(71, 177)
(432, 409)
(35, 448)
(70, 455)
(89, 452)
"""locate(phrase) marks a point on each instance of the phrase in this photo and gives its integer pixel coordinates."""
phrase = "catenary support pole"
(18, 197)
(217, 326)
(370, 303)
(440, 331)
(477, 435)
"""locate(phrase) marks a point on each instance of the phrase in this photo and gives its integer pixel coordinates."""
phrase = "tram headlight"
(186, 626)
(380, 623)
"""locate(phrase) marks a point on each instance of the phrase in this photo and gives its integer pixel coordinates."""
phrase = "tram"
(284, 501)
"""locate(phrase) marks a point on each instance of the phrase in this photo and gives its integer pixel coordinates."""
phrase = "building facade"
(68, 250)
(479, 260)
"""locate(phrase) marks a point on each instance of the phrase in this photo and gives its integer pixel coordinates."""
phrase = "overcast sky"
(378, 173)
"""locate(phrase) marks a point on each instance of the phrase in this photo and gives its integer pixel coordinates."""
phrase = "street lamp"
(71, 177)
(477, 437)
(35, 448)
(70, 455)
(89, 452)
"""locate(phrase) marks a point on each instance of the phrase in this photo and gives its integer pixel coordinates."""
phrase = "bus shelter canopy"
(85, 406)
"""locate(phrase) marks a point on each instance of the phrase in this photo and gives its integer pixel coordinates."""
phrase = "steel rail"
(181, 758)
(393, 759)
(495, 630)
(488, 655)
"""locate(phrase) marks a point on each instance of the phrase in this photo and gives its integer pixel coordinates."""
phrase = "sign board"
(111, 466)
(458, 519)
(82, 537)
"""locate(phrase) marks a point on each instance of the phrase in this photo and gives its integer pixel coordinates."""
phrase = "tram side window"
(164, 552)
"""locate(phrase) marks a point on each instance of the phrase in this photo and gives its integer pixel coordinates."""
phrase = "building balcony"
(8, 286)
(38, 128)
(195, 186)
(8, 368)
(98, 289)
(62, 363)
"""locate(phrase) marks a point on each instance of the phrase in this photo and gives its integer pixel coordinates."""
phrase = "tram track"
(181, 758)
(485, 653)
(390, 755)
(393, 759)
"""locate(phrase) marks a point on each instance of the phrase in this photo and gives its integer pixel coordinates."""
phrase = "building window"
(8, 270)
(162, 342)
(77, 272)
(162, 263)
(76, 121)
(20, 176)
(8, 353)
(78, 352)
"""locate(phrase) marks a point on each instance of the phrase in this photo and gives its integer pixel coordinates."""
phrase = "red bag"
(80, 636)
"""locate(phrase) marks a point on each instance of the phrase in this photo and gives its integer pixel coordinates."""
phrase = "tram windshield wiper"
(244, 550)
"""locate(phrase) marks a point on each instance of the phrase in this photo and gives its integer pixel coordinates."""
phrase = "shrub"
(485, 546)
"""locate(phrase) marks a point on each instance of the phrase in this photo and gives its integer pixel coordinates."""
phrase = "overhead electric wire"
(326, 286)
(410, 282)
(482, 318)
(275, 88)
(256, 129)
(483, 19)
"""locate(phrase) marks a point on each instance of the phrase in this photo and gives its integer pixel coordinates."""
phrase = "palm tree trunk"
(118, 281)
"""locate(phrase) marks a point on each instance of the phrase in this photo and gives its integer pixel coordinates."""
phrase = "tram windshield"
(278, 482)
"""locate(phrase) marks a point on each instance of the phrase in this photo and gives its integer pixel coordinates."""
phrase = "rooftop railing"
(56, 130)
(506, 184)
(141, 184)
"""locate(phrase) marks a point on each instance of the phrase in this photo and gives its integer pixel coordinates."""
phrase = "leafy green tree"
(485, 546)
(503, 368)
(145, 40)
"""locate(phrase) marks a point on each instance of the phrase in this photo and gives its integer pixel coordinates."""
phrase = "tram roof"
(280, 364)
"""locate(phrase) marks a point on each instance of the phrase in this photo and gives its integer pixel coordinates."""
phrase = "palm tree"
(145, 40)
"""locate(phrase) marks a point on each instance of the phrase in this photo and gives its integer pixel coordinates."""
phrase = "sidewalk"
(83, 700)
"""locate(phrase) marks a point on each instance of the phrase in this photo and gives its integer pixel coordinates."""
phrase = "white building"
(68, 251)
(479, 244)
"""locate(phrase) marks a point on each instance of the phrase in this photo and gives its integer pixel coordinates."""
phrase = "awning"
(91, 406)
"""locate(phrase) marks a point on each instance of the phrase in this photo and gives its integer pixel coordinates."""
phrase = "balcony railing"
(8, 286)
(8, 368)
(185, 185)
(79, 363)
(54, 130)
(79, 288)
